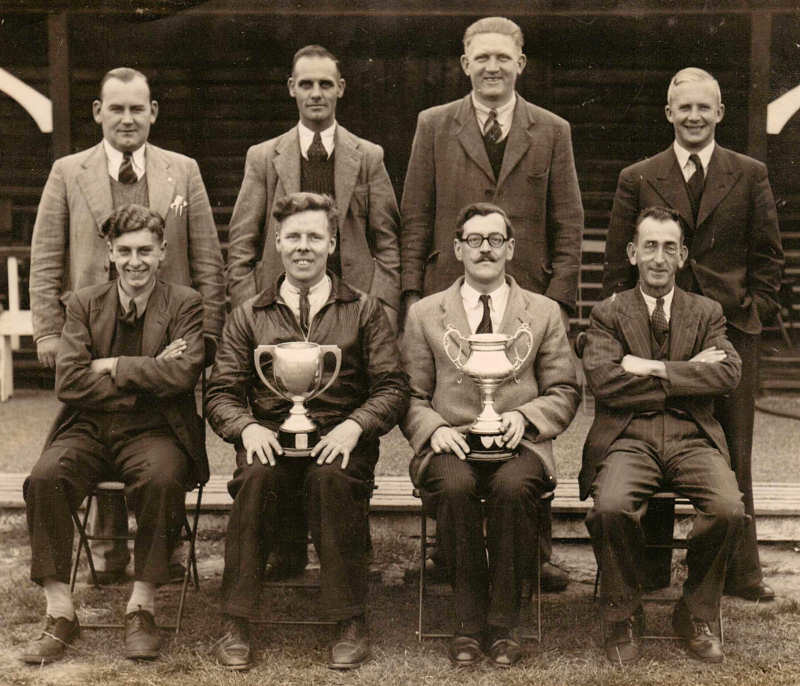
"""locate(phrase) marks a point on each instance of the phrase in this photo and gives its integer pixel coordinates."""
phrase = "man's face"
(137, 256)
(316, 86)
(484, 266)
(125, 113)
(493, 61)
(304, 242)
(658, 253)
(694, 113)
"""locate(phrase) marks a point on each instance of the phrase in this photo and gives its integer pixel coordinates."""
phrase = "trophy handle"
(257, 353)
(336, 351)
(511, 347)
(449, 333)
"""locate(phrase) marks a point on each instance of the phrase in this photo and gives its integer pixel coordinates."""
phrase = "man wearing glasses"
(444, 403)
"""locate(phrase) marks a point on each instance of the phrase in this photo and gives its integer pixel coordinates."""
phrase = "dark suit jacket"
(172, 312)
(537, 187)
(368, 216)
(620, 326)
(735, 255)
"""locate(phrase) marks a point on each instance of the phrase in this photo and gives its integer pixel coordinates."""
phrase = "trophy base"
(297, 444)
(488, 448)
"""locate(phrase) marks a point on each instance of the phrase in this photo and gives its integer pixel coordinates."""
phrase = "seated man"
(130, 354)
(367, 399)
(655, 356)
(444, 402)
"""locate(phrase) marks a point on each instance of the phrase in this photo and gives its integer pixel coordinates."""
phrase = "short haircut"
(124, 74)
(659, 214)
(692, 75)
(481, 209)
(294, 203)
(315, 51)
(133, 218)
(500, 25)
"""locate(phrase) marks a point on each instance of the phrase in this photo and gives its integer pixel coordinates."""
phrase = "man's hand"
(447, 440)
(514, 423)
(46, 351)
(710, 355)
(639, 366)
(173, 351)
(262, 442)
(103, 365)
(340, 440)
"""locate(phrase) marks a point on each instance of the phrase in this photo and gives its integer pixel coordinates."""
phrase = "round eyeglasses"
(475, 240)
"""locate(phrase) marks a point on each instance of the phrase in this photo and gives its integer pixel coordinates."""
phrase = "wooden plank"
(58, 55)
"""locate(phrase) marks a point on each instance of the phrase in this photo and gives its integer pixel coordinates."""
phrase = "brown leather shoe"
(351, 650)
(465, 651)
(233, 650)
(758, 593)
(622, 638)
(142, 641)
(702, 643)
(504, 648)
(56, 635)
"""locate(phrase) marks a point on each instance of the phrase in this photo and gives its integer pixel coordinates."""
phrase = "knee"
(327, 478)
(610, 505)
(726, 510)
(458, 486)
(45, 471)
(167, 475)
(511, 490)
(255, 477)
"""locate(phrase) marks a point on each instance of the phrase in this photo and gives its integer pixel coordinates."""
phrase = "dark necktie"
(305, 308)
(126, 173)
(486, 321)
(129, 317)
(659, 322)
(492, 132)
(695, 184)
(316, 151)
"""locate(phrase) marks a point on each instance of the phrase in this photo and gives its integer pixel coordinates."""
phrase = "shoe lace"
(701, 627)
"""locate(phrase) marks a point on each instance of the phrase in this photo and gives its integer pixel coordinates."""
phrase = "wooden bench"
(14, 323)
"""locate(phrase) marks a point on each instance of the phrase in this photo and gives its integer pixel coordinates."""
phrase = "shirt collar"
(141, 300)
(114, 158)
(650, 301)
(472, 297)
(324, 284)
(683, 155)
(505, 113)
(307, 136)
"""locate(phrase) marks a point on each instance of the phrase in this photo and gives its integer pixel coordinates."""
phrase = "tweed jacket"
(368, 216)
(68, 252)
(537, 187)
(173, 311)
(620, 326)
(735, 253)
(546, 392)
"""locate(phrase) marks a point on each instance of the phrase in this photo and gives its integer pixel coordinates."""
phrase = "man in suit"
(444, 403)
(728, 215)
(493, 145)
(68, 251)
(366, 400)
(130, 353)
(655, 357)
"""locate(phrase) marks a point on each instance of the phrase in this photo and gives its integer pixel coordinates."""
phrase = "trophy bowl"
(297, 373)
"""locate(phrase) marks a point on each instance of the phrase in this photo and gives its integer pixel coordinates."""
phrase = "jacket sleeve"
(617, 273)
(205, 256)
(48, 256)
(564, 222)
(418, 206)
(246, 230)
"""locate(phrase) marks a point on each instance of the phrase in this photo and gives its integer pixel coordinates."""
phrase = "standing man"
(534, 411)
(68, 251)
(366, 400)
(729, 218)
(319, 156)
(494, 146)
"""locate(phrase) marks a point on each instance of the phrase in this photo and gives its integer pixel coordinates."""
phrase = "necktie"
(659, 322)
(486, 321)
(129, 317)
(491, 129)
(316, 151)
(304, 309)
(126, 173)
(695, 184)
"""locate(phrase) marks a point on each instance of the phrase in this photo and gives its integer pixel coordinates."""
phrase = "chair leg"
(423, 551)
(191, 561)
(83, 544)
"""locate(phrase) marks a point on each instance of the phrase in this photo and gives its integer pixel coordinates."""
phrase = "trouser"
(153, 467)
(667, 452)
(336, 504)
(485, 593)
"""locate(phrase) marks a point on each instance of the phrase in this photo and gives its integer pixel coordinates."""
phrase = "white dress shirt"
(686, 165)
(650, 301)
(141, 300)
(114, 158)
(318, 295)
(498, 299)
(307, 137)
(505, 114)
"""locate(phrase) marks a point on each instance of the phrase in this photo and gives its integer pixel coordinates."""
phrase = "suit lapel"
(515, 308)
(453, 313)
(346, 165)
(668, 182)
(684, 332)
(95, 184)
(155, 321)
(635, 322)
(160, 184)
(103, 319)
(519, 140)
(286, 161)
(721, 177)
(470, 137)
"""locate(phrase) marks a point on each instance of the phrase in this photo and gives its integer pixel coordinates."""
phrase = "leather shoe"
(554, 579)
(758, 593)
(701, 641)
(142, 641)
(504, 648)
(56, 635)
(622, 639)
(351, 650)
(233, 650)
(465, 651)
